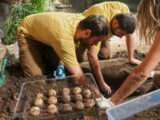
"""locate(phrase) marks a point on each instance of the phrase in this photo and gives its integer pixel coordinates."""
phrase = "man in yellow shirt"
(122, 24)
(46, 38)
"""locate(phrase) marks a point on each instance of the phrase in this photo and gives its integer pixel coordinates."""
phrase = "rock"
(13, 50)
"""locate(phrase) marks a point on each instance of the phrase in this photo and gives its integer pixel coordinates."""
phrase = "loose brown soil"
(10, 91)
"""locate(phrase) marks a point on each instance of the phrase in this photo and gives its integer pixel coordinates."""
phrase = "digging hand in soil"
(106, 89)
(134, 61)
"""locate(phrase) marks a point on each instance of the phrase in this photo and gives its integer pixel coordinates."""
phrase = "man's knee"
(105, 50)
(32, 72)
(105, 53)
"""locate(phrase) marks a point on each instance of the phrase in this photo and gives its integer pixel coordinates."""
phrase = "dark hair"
(126, 21)
(96, 23)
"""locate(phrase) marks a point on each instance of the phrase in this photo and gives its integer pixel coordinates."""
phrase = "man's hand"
(134, 61)
(104, 103)
(106, 89)
(80, 81)
(77, 72)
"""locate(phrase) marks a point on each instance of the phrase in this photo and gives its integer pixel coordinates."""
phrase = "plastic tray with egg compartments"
(30, 89)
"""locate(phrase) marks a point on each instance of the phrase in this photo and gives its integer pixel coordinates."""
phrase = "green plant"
(18, 12)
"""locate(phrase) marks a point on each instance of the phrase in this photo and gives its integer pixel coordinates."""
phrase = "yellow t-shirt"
(108, 9)
(57, 30)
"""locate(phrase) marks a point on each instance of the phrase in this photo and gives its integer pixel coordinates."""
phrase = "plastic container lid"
(131, 107)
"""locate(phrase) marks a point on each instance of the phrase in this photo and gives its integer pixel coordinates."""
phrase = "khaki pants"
(36, 58)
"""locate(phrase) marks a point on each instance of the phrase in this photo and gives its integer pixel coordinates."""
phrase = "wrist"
(104, 103)
(104, 84)
(130, 59)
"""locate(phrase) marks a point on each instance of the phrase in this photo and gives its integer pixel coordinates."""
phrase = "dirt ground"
(10, 91)
(151, 114)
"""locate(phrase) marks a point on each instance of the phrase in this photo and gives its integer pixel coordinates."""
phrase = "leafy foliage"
(18, 12)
